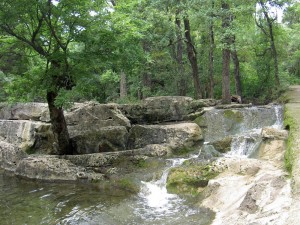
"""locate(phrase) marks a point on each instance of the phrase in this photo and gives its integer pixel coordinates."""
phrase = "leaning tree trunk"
(59, 126)
(192, 55)
(226, 97)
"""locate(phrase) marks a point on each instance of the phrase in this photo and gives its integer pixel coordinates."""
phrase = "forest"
(126, 50)
(64, 51)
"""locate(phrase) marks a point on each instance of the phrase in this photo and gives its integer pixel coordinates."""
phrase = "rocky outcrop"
(220, 123)
(29, 136)
(164, 109)
(101, 135)
(25, 111)
(10, 156)
(91, 115)
(261, 194)
(51, 168)
(107, 139)
(273, 133)
(176, 135)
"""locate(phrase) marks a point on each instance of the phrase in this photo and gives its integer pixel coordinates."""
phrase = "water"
(220, 123)
(28, 202)
(248, 141)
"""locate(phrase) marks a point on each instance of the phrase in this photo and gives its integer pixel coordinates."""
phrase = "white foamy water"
(155, 201)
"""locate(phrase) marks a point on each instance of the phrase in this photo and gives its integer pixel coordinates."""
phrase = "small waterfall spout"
(155, 201)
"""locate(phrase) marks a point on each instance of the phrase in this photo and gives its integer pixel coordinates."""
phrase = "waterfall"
(279, 117)
(247, 142)
(155, 201)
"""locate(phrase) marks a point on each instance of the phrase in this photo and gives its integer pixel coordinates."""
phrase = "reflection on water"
(27, 202)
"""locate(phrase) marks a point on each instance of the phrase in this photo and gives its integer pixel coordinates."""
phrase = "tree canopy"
(62, 51)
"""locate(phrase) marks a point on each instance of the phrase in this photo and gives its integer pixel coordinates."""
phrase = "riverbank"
(293, 111)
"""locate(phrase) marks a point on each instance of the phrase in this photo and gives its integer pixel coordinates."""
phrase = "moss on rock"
(189, 179)
(234, 115)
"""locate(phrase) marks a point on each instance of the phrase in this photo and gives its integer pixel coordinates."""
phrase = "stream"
(29, 202)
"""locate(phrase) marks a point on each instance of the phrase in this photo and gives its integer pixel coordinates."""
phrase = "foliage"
(96, 41)
(289, 124)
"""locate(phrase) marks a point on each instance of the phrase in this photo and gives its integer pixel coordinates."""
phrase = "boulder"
(272, 150)
(223, 145)
(177, 135)
(10, 155)
(29, 136)
(273, 133)
(189, 179)
(164, 109)
(25, 111)
(52, 168)
(86, 116)
(108, 158)
(107, 139)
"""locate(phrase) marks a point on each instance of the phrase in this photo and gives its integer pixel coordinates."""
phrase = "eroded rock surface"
(177, 135)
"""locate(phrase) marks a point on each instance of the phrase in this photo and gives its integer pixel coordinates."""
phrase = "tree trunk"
(272, 42)
(226, 97)
(211, 54)
(123, 85)
(182, 84)
(236, 63)
(192, 55)
(59, 126)
(237, 76)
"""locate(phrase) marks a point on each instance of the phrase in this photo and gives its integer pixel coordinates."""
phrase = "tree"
(226, 97)
(48, 28)
(268, 31)
(192, 55)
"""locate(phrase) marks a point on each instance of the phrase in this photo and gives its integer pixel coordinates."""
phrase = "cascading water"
(155, 201)
(243, 125)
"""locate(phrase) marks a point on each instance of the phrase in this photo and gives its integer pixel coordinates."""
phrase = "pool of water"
(32, 202)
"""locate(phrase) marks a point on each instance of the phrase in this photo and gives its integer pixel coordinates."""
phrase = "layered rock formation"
(110, 131)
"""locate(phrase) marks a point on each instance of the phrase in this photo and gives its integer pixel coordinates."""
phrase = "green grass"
(289, 124)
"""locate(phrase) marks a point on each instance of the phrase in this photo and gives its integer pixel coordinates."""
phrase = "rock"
(248, 191)
(29, 136)
(10, 156)
(219, 123)
(272, 150)
(223, 145)
(25, 111)
(189, 179)
(273, 133)
(86, 116)
(107, 139)
(177, 135)
(164, 109)
(52, 168)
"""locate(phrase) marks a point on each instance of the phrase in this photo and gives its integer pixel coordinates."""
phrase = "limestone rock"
(164, 109)
(10, 156)
(25, 111)
(223, 145)
(272, 150)
(52, 168)
(107, 139)
(27, 135)
(273, 133)
(177, 135)
(248, 191)
(84, 117)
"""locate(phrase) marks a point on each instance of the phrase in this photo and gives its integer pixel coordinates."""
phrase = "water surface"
(33, 202)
